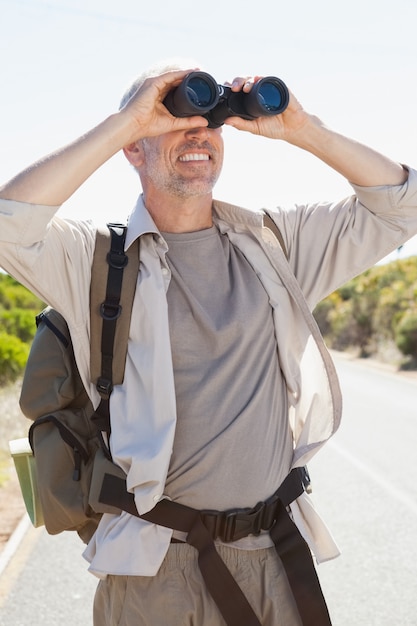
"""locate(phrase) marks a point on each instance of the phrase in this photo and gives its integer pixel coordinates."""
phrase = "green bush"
(406, 334)
(14, 295)
(18, 322)
(373, 311)
(18, 308)
(13, 356)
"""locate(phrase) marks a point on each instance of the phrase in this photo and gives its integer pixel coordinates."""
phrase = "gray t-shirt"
(232, 445)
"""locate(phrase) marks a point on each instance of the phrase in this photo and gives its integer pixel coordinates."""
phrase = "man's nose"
(200, 131)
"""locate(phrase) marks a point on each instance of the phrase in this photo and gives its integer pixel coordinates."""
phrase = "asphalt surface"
(366, 490)
(46, 583)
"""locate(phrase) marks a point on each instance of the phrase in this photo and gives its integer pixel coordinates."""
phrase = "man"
(228, 384)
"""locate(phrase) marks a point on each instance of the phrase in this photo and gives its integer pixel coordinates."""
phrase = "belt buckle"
(238, 523)
(243, 522)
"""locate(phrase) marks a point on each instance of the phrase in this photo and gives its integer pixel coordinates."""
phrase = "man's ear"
(134, 153)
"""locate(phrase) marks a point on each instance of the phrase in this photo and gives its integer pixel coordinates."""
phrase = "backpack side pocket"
(64, 462)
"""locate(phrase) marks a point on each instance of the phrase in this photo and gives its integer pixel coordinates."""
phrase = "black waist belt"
(205, 526)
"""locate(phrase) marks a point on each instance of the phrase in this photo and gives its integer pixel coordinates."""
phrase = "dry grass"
(13, 424)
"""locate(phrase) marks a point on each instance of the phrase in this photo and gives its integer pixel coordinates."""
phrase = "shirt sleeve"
(23, 223)
(330, 243)
(47, 254)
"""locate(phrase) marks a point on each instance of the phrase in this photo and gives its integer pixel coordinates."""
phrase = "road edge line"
(14, 542)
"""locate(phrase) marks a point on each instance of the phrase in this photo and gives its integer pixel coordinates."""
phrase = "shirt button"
(165, 271)
(157, 497)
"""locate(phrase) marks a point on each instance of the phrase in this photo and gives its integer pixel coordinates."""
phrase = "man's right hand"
(148, 115)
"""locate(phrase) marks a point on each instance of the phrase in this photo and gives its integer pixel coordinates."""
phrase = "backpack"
(69, 439)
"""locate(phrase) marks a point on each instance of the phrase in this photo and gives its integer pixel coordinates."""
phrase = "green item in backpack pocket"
(26, 472)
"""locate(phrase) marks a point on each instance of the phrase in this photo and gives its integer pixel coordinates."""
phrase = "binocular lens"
(270, 97)
(200, 92)
(197, 94)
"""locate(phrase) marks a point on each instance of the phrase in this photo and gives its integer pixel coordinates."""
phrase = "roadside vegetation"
(18, 308)
(375, 314)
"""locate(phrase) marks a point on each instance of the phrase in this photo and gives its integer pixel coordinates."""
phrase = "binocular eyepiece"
(199, 94)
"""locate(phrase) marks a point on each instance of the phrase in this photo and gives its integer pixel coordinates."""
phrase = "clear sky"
(65, 63)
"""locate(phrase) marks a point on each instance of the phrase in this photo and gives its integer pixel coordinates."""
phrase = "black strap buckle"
(117, 260)
(104, 387)
(238, 523)
(110, 311)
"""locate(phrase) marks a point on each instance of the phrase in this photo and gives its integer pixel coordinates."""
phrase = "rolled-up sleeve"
(24, 224)
(397, 200)
(49, 255)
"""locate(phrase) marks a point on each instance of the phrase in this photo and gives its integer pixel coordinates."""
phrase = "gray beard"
(181, 188)
(175, 184)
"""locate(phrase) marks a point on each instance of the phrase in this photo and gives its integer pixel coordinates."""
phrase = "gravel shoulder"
(13, 425)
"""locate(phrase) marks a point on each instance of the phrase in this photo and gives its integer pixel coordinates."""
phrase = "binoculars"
(199, 94)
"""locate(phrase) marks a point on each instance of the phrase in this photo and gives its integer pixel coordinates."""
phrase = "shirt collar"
(226, 213)
(140, 222)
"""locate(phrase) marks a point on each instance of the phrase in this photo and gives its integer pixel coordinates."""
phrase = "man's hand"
(358, 163)
(146, 112)
(286, 125)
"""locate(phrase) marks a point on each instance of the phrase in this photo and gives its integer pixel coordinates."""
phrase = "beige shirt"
(327, 245)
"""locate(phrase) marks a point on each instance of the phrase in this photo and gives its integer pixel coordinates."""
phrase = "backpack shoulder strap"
(269, 223)
(106, 305)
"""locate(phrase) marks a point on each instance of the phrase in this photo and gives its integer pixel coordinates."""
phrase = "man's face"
(182, 163)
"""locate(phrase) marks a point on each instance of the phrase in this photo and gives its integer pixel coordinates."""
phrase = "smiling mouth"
(194, 156)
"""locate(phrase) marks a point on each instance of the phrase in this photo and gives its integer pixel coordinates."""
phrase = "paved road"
(46, 583)
(364, 485)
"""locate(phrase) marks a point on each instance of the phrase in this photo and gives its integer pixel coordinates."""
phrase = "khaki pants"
(177, 595)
